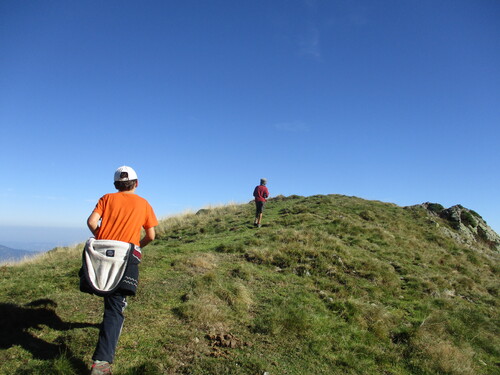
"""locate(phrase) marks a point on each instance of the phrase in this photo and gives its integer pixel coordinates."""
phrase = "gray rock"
(467, 226)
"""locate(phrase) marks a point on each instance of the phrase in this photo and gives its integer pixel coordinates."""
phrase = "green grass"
(328, 285)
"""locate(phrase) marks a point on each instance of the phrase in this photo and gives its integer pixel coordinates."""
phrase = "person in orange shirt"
(119, 216)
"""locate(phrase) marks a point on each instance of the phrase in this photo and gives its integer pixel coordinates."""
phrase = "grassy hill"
(328, 285)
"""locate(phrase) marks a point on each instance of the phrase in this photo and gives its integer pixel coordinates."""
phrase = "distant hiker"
(122, 216)
(260, 193)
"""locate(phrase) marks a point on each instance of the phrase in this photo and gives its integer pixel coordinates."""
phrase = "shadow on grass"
(144, 369)
(15, 321)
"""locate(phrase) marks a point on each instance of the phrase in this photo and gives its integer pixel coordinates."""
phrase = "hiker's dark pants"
(259, 207)
(111, 327)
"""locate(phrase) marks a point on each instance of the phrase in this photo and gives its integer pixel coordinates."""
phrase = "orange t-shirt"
(123, 215)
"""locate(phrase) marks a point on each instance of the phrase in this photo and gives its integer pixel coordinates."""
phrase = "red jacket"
(260, 193)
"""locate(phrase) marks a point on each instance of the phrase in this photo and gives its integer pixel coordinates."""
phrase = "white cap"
(125, 174)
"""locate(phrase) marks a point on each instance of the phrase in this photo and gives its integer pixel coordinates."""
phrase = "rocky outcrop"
(466, 226)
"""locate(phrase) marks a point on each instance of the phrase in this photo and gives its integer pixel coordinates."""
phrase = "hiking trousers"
(111, 327)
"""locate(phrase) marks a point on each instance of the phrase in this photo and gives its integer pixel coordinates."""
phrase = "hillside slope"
(329, 285)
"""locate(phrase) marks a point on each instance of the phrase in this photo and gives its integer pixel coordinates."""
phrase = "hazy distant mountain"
(8, 254)
(33, 238)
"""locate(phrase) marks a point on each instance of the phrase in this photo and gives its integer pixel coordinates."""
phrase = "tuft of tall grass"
(436, 354)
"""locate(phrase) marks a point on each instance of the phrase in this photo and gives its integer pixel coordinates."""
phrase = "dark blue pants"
(259, 207)
(111, 327)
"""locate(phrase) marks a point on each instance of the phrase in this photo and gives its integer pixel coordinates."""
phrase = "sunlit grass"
(328, 285)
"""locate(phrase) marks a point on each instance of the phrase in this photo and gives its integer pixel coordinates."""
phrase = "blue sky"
(395, 101)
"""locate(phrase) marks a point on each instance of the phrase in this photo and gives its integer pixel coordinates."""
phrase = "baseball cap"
(125, 174)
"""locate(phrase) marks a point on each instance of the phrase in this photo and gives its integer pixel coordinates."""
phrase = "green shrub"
(367, 215)
(468, 219)
(435, 207)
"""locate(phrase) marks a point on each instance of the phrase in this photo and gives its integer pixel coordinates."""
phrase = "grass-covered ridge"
(329, 285)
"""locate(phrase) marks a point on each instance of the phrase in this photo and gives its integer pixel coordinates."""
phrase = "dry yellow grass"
(197, 219)
(58, 252)
(440, 354)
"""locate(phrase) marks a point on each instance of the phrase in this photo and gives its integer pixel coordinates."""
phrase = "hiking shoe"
(258, 225)
(101, 368)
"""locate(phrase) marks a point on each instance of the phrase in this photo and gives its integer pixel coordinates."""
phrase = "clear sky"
(396, 101)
